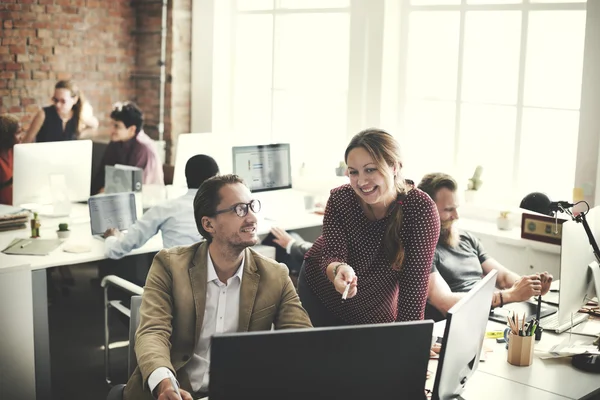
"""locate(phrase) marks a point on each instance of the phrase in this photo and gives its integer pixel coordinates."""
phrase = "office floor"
(77, 336)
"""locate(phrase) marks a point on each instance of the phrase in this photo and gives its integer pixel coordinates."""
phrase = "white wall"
(587, 174)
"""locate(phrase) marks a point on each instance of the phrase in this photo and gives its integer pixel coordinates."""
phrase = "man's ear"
(207, 224)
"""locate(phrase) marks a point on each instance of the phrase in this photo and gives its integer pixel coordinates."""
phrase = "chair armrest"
(112, 280)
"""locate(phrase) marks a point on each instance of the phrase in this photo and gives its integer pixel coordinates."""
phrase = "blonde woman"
(66, 119)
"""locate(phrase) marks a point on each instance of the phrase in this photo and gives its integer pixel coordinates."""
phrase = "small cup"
(309, 202)
(520, 350)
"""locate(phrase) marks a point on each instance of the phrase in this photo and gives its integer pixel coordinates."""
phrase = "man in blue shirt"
(174, 218)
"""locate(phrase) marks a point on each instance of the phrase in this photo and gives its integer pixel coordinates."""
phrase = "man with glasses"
(217, 286)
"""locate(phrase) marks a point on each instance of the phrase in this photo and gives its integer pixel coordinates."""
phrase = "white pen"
(346, 291)
(175, 386)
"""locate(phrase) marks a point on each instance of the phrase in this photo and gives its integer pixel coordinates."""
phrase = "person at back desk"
(10, 128)
(217, 286)
(129, 145)
(460, 260)
(70, 118)
(174, 218)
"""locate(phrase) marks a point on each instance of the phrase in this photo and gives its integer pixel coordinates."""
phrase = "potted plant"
(63, 231)
(341, 169)
(503, 221)
(474, 185)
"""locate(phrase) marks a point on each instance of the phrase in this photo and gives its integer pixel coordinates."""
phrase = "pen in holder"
(520, 337)
(520, 350)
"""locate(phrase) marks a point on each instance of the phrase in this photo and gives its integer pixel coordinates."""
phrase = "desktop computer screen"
(216, 145)
(463, 339)
(40, 169)
(264, 167)
(380, 361)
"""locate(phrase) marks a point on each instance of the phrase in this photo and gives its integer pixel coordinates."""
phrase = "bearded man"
(460, 260)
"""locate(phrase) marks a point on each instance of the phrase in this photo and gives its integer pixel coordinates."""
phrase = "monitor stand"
(590, 362)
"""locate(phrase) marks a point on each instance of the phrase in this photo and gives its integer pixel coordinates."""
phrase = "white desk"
(556, 376)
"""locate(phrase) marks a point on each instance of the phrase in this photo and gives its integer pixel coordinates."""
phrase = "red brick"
(18, 49)
(22, 24)
(12, 66)
(25, 33)
(27, 101)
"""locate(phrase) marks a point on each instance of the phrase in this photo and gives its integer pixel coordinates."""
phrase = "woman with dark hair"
(372, 262)
(70, 115)
(9, 129)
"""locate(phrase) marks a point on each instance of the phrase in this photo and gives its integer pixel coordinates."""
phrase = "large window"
(287, 77)
(461, 83)
(496, 84)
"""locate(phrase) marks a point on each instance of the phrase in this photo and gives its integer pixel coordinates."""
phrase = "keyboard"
(551, 322)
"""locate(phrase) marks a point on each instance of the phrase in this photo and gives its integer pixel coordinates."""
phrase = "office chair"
(119, 305)
(116, 392)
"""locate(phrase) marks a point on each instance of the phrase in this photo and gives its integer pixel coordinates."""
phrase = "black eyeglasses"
(241, 209)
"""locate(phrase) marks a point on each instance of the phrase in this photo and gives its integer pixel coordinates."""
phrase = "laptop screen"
(112, 211)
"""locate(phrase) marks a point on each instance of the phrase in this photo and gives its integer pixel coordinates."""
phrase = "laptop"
(463, 339)
(380, 361)
(528, 308)
(115, 210)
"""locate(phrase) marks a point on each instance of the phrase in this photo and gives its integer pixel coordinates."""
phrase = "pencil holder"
(520, 350)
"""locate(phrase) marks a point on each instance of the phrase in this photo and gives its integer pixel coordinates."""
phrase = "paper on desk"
(570, 346)
(591, 327)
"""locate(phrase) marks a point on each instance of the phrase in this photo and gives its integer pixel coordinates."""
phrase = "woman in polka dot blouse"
(377, 239)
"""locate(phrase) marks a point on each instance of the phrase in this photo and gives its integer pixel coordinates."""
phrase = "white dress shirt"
(221, 315)
(175, 218)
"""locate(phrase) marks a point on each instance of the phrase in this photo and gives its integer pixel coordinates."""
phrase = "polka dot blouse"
(384, 295)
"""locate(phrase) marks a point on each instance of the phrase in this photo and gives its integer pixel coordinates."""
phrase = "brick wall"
(43, 41)
(112, 52)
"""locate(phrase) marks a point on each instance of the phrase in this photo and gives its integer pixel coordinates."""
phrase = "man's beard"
(449, 235)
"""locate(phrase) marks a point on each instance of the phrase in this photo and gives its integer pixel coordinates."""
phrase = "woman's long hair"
(385, 151)
(72, 87)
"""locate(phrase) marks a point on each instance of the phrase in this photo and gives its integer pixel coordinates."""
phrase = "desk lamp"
(585, 362)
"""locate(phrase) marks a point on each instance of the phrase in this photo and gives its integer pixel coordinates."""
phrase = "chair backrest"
(134, 322)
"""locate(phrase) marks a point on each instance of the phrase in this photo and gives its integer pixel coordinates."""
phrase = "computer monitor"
(37, 164)
(463, 339)
(576, 255)
(383, 361)
(218, 146)
(264, 167)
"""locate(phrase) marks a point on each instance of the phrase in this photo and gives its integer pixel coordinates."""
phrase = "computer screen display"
(38, 165)
(263, 167)
(381, 361)
(463, 339)
(111, 211)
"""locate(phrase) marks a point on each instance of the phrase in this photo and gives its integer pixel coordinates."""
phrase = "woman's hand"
(346, 276)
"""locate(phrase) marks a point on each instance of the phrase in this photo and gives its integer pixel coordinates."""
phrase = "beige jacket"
(176, 286)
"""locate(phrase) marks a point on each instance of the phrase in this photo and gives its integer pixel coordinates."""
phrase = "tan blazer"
(176, 286)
